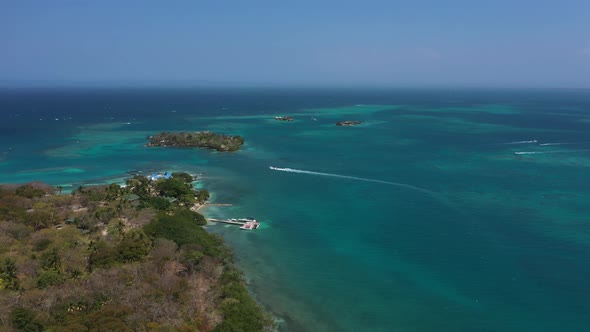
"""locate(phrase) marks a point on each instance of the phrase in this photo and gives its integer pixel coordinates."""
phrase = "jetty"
(244, 223)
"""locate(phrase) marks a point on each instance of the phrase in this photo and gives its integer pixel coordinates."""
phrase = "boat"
(250, 225)
(247, 219)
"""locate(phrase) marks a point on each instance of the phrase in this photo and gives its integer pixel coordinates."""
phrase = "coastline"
(229, 274)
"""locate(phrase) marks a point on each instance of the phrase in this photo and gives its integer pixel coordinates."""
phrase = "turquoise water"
(439, 226)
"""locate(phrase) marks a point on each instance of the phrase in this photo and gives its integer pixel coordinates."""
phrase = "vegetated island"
(202, 139)
(348, 123)
(112, 258)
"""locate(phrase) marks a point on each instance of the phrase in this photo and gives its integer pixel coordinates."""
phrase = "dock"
(227, 221)
(247, 224)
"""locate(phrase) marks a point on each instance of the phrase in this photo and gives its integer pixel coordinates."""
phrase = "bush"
(187, 178)
(29, 191)
(134, 246)
(160, 203)
(51, 260)
(202, 195)
(48, 279)
(101, 255)
(8, 278)
(23, 319)
(176, 188)
(42, 244)
(183, 228)
(240, 311)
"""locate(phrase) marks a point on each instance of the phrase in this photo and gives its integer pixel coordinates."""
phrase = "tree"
(187, 178)
(176, 188)
(134, 246)
(23, 319)
(113, 191)
(29, 191)
(101, 255)
(202, 195)
(51, 260)
(49, 278)
(160, 203)
(8, 275)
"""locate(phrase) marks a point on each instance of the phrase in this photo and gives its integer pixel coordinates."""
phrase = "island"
(118, 258)
(283, 118)
(202, 139)
(348, 123)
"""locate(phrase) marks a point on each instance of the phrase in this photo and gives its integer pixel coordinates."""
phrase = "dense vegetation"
(204, 139)
(113, 258)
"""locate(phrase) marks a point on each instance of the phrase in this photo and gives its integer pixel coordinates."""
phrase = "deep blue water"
(488, 240)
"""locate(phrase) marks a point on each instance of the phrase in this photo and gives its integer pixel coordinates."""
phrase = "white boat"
(250, 225)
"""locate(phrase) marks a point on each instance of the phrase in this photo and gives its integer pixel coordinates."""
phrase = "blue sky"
(296, 43)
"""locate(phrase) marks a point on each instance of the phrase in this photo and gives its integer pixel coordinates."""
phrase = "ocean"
(445, 210)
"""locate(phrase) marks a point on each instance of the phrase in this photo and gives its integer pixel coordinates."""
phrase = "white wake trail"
(567, 143)
(523, 142)
(403, 185)
(546, 152)
(432, 194)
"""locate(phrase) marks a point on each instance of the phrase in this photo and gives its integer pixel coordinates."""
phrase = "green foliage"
(49, 278)
(107, 318)
(160, 203)
(205, 139)
(240, 311)
(105, 214)
(202, 195)
(183, 228)
(134, 246)
(40, 219)
(113, 191)
(187, 178)
(191, 259)
(29, 191)
(140, 186)
(51, 260)
(198, 218)
(23, 319)
(17, 231)
(8, 277)
(42, 244)
(176, 188)
(102, 254)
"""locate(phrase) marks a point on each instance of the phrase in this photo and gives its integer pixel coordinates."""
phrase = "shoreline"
(248, 300)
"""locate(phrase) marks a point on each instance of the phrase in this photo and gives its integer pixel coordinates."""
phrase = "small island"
(283, 118)
(202, 139)
(348, 123)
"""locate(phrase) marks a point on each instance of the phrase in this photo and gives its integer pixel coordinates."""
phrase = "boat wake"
(568, 143)
(397, 184)
(523, 142)
(546, 152)
(432, 194)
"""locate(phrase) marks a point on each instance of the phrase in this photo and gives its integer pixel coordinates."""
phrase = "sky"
(517, 43)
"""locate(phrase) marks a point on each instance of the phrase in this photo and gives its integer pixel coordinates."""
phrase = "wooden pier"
(227, 221)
